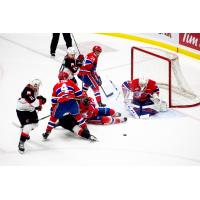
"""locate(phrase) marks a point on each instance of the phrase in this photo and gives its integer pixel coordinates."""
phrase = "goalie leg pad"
(163, 106)
(148, 111)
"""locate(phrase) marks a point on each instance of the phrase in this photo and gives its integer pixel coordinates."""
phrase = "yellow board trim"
(154, 42)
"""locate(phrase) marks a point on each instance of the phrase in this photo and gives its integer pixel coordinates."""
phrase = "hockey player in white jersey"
(71, 64)
(27, 107)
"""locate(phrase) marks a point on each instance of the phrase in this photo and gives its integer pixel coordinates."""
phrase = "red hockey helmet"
(97, 48)
(63, 75)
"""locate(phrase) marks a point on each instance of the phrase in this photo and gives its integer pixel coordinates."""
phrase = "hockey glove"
(86, 101)
(41, 99)
(99, 81)
(39, 108)
(79, 60)
(73, 69)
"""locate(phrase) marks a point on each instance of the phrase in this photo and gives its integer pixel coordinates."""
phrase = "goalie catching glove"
(160, 105)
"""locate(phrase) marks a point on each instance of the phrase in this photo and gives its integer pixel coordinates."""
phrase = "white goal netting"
(176, 84)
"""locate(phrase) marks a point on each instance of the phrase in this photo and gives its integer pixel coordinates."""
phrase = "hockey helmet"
(71, 50)
(86, 101)
(63, 75)
(97, 48)
(36, 83)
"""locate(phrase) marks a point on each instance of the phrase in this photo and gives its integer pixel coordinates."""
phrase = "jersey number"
(64, 88)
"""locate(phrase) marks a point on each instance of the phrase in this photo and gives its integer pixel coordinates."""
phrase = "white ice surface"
(170, 138)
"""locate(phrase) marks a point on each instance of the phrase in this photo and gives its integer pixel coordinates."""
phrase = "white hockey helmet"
(71, 50)
(143, 82)
(36, 83)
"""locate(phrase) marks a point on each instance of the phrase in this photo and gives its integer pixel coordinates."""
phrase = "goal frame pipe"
(169, 71)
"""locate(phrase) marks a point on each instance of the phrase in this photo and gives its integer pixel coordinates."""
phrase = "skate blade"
(147, 116)
(94, 140)
(45, 140)
(21, 152)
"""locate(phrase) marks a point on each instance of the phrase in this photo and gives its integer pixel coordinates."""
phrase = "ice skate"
(117, 114)
(123, 119)
(21, 148)
(101, 104)
(92, 138)
(45, 135)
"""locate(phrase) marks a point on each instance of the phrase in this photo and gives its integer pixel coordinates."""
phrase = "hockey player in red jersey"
(95, 115)
(64, 101)
(145, 99)
(89, 76)
(27, 106)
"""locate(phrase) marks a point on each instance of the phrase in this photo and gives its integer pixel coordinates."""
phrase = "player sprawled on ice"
(69, 122)
(71, 64)
(27, 107)
(102, 116)
(142, 97)
(64, 101)
(89, 76)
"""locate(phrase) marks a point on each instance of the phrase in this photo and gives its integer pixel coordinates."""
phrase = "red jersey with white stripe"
(150, 88)
(64, 91)
(90, 64)
(88, 111)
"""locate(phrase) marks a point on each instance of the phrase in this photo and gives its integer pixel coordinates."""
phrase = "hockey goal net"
(164, 67)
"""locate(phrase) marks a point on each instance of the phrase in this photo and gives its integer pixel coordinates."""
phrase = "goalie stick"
(19, 126)
(114, 85)
(107, 95)
(132, 111)
(135, 115)
(115, 89)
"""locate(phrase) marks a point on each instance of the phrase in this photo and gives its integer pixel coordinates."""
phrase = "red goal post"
(179, 94)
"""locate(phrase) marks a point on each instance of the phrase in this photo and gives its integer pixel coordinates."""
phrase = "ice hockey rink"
(170, 138)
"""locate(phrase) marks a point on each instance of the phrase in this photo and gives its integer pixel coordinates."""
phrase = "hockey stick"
(19, 126)
(75, 43)
(78, 51)
(132, 111)
(115, 89)
(107, 95)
